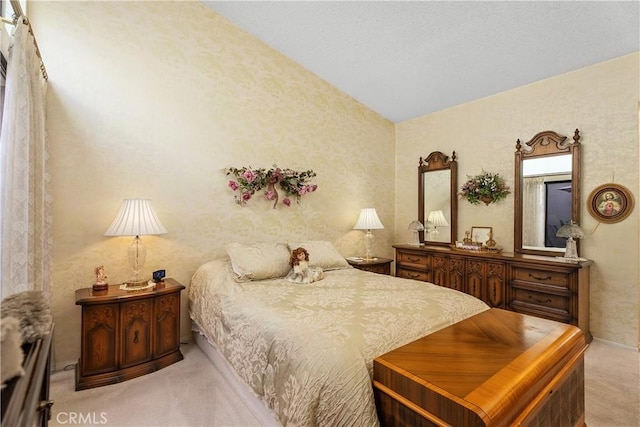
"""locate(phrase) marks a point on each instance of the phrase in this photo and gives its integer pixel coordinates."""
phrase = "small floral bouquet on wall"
(249, 181)
(486, 187)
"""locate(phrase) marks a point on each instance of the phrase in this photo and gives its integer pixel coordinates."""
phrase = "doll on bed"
(301, 272)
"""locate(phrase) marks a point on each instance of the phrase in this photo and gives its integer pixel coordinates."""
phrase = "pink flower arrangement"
(249, 181)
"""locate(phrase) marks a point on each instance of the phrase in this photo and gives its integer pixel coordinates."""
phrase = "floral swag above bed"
(249, 181)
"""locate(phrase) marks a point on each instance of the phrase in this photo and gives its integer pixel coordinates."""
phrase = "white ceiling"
(407, 59)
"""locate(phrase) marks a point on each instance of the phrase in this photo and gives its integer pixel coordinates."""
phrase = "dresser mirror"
(437, 199)
(546, 192)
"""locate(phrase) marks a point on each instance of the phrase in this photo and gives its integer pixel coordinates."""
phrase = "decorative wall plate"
(610, 203)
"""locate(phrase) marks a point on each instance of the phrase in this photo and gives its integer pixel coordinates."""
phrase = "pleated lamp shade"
(136, 218)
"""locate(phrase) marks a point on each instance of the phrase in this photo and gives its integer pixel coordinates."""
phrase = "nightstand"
(376, 265)
(126, 334)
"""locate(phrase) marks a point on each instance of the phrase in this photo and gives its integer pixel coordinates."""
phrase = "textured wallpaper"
(155, 99)
(602, 101)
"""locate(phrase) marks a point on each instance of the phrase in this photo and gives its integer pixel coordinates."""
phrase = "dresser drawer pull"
(540, 278)
(413, 275)
(539, 301)
(413, 259)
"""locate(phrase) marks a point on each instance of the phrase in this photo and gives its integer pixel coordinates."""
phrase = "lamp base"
(136, 284)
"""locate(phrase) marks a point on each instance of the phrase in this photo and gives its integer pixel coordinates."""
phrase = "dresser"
(540, 286)
(126, 334)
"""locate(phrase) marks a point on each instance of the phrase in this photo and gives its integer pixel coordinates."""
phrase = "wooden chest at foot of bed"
(497, 368)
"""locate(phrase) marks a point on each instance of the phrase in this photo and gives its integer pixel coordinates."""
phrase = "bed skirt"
(264, 415)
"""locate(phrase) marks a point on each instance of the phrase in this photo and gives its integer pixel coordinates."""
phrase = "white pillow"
(322, 254)
(259, 261)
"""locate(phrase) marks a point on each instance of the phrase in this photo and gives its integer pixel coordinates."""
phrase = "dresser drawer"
(543, 277)
(541, 304)
(406, 273)
(414, 259)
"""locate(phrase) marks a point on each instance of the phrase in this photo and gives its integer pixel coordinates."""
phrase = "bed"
(306, 350)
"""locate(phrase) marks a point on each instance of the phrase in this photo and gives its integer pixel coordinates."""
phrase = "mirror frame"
(543, 144)
(437, 161)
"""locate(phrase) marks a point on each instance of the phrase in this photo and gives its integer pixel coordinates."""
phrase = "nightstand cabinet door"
(167, 324)
(100, 326)
(136, 332)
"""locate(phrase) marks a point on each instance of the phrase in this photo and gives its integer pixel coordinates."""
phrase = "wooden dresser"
(536, 285)
(126, 334)
(497, 368)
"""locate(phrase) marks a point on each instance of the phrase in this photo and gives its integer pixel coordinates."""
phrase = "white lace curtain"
(25, 205)
(533, 203)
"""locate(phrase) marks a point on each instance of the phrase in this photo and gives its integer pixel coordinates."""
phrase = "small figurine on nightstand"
(467, 237)
(101, 279)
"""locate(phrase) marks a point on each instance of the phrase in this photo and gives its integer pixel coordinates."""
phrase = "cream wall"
(601, 101)
(154, 100)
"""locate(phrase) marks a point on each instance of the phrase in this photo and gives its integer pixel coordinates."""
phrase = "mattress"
(307, 349)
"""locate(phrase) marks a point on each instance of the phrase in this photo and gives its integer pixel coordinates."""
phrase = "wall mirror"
(546, 192)
(437, 198)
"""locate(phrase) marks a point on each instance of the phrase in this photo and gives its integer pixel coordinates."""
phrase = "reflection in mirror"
(437, 201)
(546, 201)
(546, 192)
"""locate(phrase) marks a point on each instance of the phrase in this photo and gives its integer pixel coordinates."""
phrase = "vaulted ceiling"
(407, 59)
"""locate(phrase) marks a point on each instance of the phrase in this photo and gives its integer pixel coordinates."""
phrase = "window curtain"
(25, 205)
(533, 205)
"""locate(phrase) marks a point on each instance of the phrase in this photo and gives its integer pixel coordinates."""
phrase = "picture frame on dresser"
(481, 234)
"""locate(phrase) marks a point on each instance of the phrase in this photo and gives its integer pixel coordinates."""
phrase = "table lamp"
(571, 231)
(136, 218)
(436, 219)
(416, 227)
(368, 220)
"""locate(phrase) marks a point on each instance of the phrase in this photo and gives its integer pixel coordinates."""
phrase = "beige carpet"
(192, 393)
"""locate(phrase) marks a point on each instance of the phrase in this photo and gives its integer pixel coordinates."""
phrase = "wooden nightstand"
(126, 334)
(376, 265)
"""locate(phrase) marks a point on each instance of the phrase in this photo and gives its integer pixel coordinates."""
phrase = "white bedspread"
(307, 350)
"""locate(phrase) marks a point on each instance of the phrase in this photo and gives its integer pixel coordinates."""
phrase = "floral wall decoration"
(486, 187)
(249, 181)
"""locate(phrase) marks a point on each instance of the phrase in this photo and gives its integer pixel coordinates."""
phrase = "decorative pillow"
(11, 355)
(259, 261)
(322, 254)
(32, 310)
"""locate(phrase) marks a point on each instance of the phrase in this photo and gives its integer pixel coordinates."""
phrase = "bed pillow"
(259, 261)
(322, 254)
